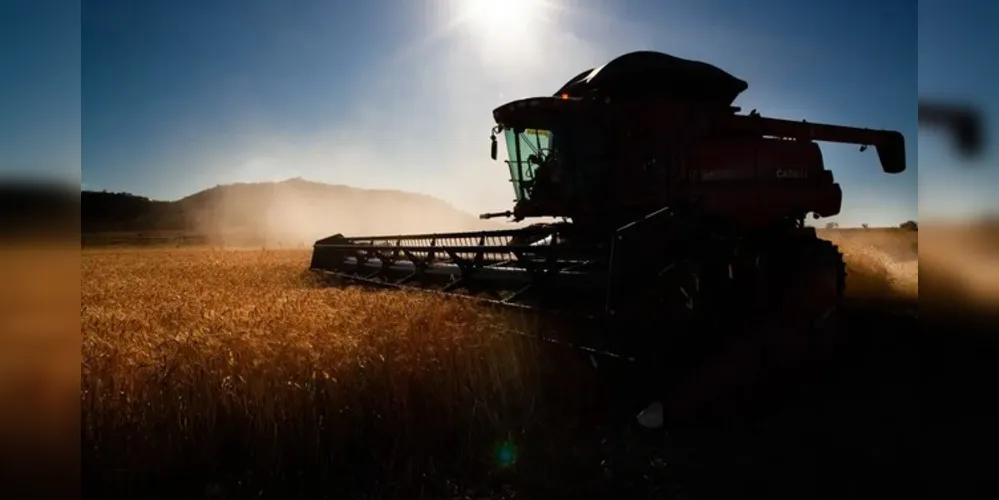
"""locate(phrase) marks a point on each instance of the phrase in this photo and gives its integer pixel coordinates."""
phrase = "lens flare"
(505, 454)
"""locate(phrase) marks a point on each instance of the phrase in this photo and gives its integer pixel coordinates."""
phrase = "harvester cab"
(555, 155)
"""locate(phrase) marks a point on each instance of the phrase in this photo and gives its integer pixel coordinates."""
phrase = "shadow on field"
(272, 387)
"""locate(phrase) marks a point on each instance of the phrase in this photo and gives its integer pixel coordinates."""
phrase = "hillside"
(289, 212)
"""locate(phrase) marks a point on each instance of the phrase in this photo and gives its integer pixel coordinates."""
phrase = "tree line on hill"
(125, 212)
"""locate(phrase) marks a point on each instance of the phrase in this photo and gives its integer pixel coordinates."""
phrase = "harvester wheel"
(802, 337)
(798, 334)
(820, 287)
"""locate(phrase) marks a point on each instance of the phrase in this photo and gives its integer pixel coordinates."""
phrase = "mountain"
(291, 211)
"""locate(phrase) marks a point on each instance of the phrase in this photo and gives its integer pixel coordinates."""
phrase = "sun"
(487, 13)
(506, 24)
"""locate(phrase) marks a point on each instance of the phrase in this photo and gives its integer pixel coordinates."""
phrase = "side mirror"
(492, 147)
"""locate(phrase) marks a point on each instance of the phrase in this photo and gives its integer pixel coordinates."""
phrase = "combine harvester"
(680, 216)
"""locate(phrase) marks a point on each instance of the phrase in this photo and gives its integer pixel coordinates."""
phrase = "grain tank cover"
(646, 74)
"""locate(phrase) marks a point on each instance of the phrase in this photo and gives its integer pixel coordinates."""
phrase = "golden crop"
(223, 361)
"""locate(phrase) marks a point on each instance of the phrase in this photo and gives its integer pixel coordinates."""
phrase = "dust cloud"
(960, 264)
(296, 213)
(881, 263)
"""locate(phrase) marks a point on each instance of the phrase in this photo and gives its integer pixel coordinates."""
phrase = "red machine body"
(622, 149)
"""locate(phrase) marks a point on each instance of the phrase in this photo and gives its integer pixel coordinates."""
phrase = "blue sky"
(181, 95)
(40, 88)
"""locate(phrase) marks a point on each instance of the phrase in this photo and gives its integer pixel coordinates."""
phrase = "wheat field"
(234, 365)
(231, 372)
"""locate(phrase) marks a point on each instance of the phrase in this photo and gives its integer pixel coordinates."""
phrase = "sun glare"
(504, 24)
(497, 12)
